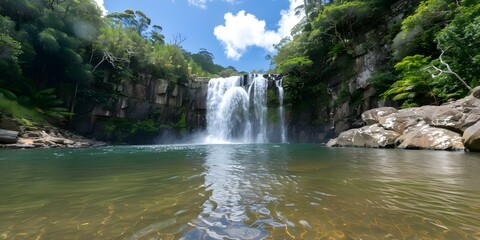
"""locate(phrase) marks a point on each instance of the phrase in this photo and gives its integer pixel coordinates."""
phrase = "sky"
(239, 33)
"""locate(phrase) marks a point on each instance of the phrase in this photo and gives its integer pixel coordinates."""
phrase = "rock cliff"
(146, 98)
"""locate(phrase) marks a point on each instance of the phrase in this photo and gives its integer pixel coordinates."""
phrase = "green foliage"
(46, 102)
(295, 66)
(429, 13)
(414, 83)
(341, 20)
(419, 29)
(381, 81)
(461, 42)
(131, 131)
(21, 114)
(325, 46)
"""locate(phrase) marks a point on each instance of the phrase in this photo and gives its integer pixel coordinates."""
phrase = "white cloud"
(198, 3)
(289, 18)
(102, 7)
(244, 30)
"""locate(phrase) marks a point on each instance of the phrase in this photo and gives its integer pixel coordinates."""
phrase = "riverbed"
(238, 191)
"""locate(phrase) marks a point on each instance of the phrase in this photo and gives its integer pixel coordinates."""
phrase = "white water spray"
(237, 111)
(281, 114)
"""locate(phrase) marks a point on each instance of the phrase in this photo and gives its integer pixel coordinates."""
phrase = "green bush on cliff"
(432, 35)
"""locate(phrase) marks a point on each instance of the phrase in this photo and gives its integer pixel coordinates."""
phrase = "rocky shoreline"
(452, 126)
(44, 138)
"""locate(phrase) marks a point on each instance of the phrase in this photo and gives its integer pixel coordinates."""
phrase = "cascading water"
(281, 114)
(237, 110)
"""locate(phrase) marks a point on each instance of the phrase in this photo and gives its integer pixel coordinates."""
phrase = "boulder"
(373, 116)
(373, 136)
(8, 137)
(9, 124)
(428, 137)
(447, 117)
(404, 118)
(475, 92)
(471, 137)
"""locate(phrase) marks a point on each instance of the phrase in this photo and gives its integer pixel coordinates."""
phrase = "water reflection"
(239, 192)
(231, 180)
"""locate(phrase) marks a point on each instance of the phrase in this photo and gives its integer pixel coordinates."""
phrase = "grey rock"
(373, 136)
(475, 92)
(373, 116)
(8, 136)
(428, 137)
(404, 118)
(447, 117)
(30, 134)
(19, 146)
(332, 143)
(471, 138)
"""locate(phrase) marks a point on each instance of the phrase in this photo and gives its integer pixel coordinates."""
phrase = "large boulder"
(447, 117)
(402, 120)
(373, 116)
(373, 136)
(471, 137)
(8, 137)
(427, 137)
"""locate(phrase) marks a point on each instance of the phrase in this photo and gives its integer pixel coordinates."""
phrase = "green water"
(238, 192)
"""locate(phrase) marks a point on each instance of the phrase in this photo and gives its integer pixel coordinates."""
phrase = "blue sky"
(239, 33)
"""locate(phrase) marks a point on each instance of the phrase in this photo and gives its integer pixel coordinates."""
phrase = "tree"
(156, 36)
(136, 20)
(414, 83)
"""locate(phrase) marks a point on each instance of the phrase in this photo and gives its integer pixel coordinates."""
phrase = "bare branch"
(178, 39)
(448, 70)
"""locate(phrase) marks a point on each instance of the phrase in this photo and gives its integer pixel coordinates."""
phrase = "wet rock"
(374, 136)
(332, 143)
(373, 116)
(8, 136)
(471, 138)
(428, 137)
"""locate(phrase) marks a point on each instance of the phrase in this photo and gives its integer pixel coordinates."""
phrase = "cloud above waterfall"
(243, 30)
(101, 6)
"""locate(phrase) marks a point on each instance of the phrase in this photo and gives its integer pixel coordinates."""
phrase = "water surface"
(263, 191)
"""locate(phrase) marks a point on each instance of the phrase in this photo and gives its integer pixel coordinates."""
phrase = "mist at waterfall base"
(238, 112)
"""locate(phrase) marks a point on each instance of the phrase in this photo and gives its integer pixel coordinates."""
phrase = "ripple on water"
(221, 228)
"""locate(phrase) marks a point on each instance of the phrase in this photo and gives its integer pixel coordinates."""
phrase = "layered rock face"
(144, 97)
(453, 126)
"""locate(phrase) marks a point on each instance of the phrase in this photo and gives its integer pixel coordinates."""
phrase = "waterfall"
(237, 110)
(281, 114)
